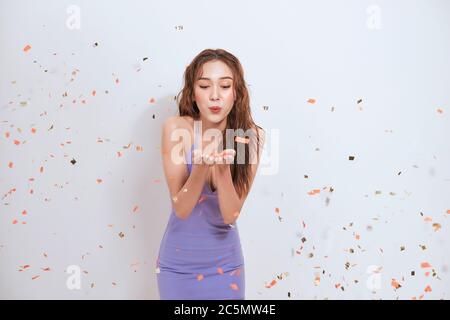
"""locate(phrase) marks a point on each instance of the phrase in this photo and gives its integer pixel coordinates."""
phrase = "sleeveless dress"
(200, 258)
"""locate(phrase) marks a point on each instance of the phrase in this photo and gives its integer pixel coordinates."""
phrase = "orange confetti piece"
(45, 269)
(337, 285)
(425, 265)
(16, 142)
(274, 282)
(119, 154)
(7, 136)
(313, 192)
(440, 110)
(99, 180)
(395, 284)
(24, 212)
(448, 211)
(219, 271)
(41, 169)
(136, 208)
(27, 48)
(277, 210)
(33, 130)
(14, 221)
(10, 165)
(35, 277)
(94, 93)
(357, 236)
(428, 219)
(200, 277)
(311, 101)
(428, 289)
(151, 100)
(234, 286)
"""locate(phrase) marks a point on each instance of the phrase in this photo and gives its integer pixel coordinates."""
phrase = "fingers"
(224, 157)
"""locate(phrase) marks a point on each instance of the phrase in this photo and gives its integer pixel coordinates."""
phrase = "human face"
(214, 87)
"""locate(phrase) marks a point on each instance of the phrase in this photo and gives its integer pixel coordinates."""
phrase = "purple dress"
(200, 258)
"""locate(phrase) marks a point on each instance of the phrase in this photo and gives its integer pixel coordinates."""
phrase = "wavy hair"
(239, 118)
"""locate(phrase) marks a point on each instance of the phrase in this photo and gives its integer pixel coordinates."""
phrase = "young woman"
(200, 255)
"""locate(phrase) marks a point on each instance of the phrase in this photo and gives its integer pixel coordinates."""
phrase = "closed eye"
(225, 87)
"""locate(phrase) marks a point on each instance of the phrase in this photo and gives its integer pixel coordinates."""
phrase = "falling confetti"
(311, 101)
(27, 48)
(234, 286)
(200, 277)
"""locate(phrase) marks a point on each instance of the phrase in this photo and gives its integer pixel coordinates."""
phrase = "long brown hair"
(239, 117)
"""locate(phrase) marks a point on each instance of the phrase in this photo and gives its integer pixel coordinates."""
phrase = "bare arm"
(229, 201)
(184, 190)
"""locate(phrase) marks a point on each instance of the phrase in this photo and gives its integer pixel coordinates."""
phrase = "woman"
(200, 256)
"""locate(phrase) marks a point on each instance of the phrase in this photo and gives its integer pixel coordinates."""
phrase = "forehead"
(215, 70)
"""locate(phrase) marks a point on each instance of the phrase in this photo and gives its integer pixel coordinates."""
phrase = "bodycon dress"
(200, 258)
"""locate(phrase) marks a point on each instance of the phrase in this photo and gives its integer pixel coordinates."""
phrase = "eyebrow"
(203, 78)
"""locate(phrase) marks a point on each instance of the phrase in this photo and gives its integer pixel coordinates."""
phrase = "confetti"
(121, 234)
(200, 277)
(428, 289)
(351, 158)
(219, 271)
(234, 286)
(270, 285)
(27, 48)
(425, 265)
(436, 226)
(311, 101)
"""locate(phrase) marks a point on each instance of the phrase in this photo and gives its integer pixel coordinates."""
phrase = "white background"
(393, 55)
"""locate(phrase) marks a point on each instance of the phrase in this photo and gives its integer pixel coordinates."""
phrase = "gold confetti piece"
(317, 280)
(313, 192)
(311, 101)
(395, 284)
(436, 226)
